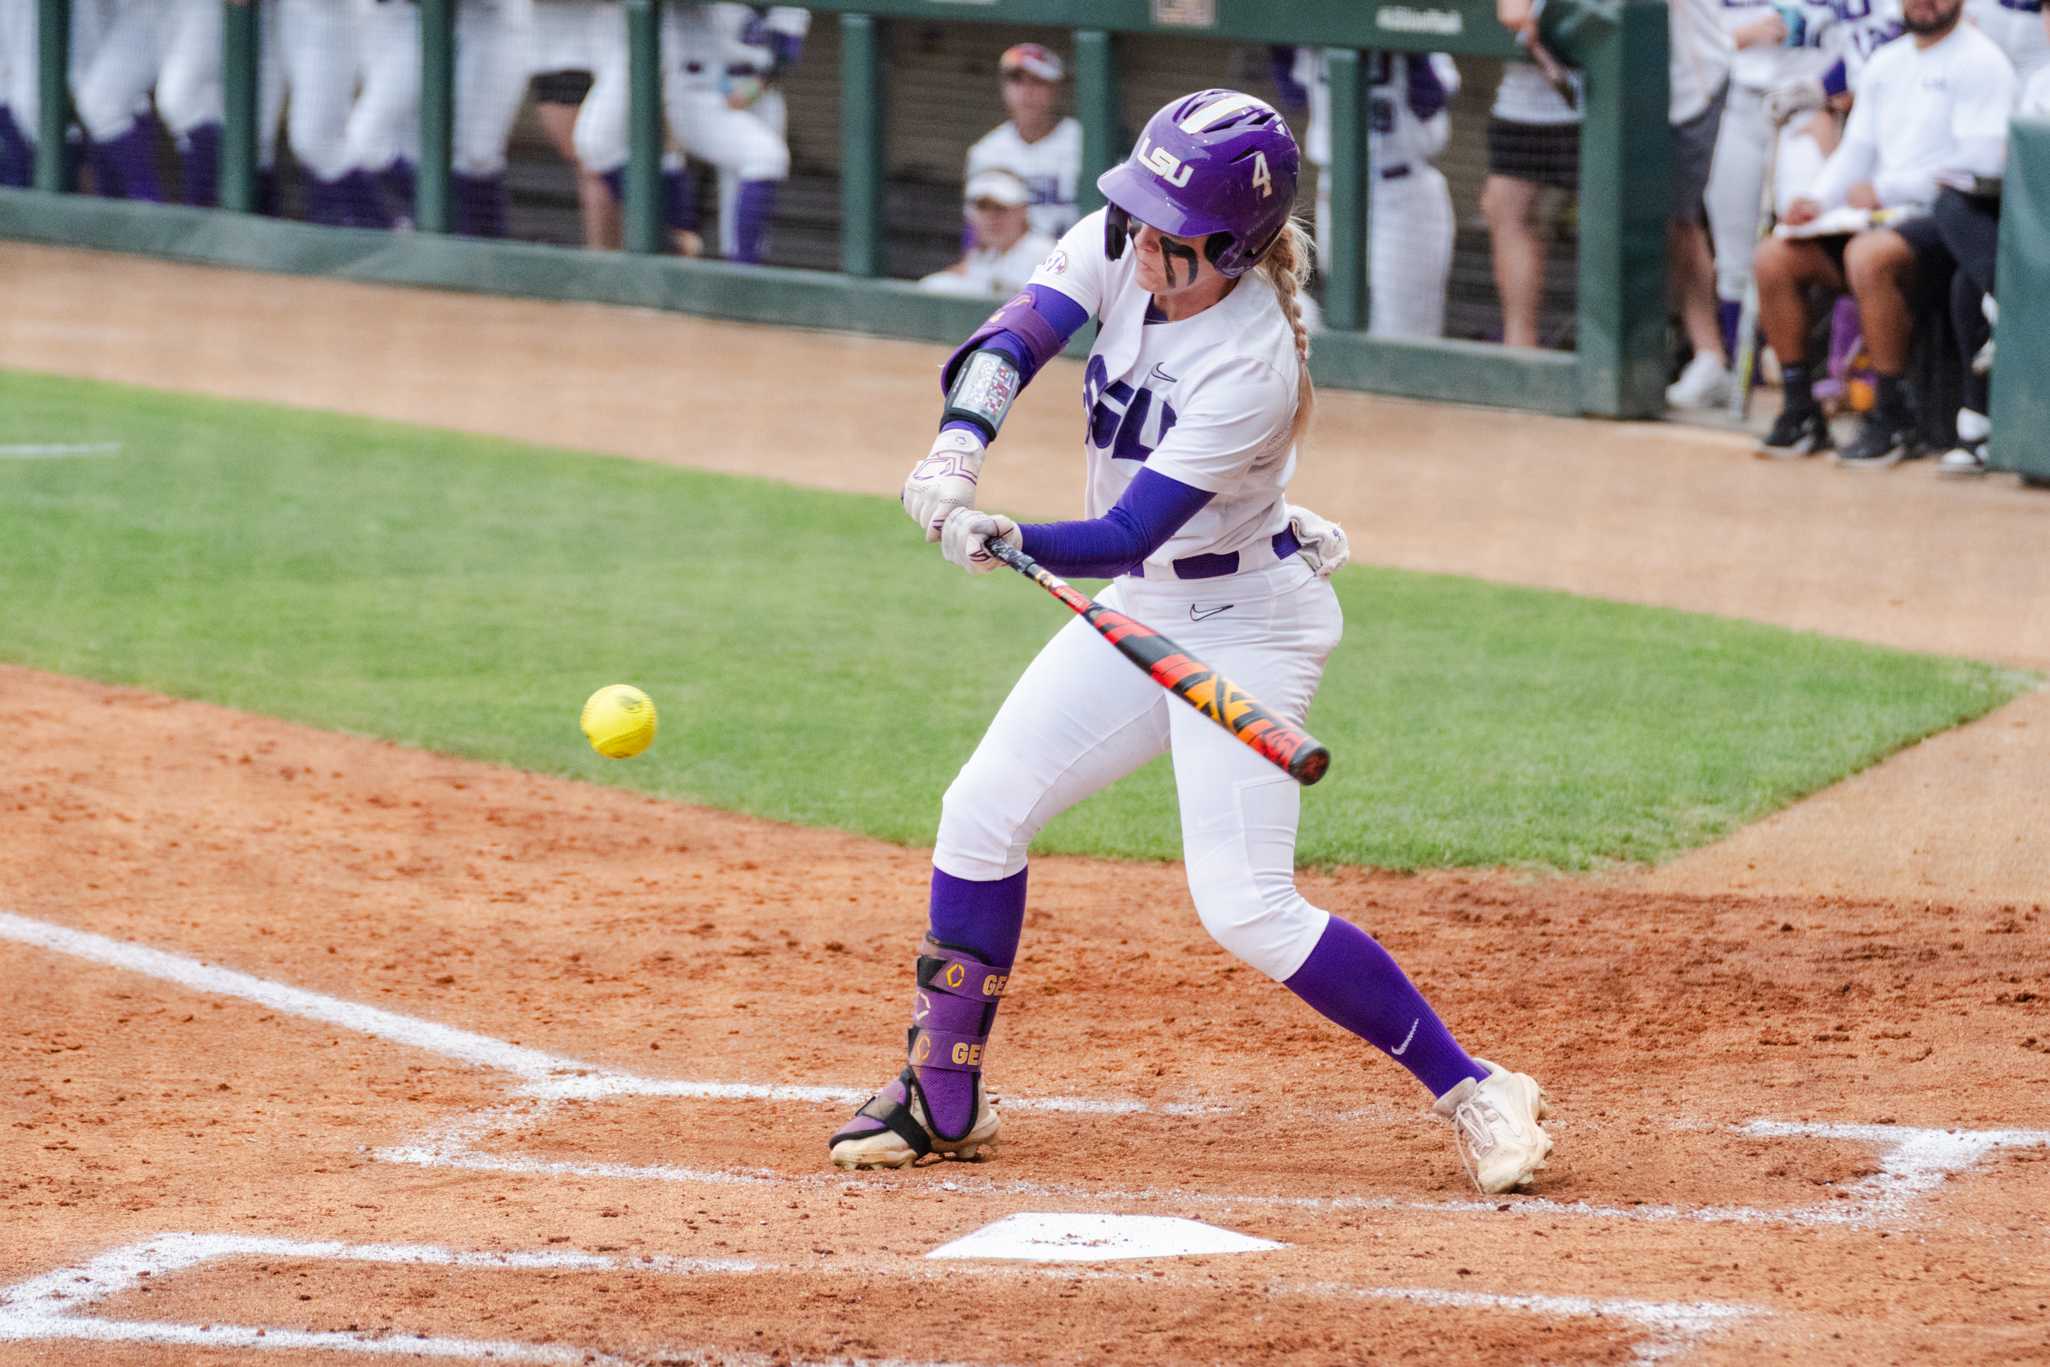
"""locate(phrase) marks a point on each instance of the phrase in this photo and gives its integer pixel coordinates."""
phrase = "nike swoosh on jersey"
(1196, 616)
(1162, 375)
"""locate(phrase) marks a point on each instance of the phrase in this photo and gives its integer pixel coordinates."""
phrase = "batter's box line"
(52, 1307)
(1913, 1163)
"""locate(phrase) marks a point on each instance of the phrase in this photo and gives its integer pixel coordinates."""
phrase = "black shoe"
(1796, 432)
(1883, 441)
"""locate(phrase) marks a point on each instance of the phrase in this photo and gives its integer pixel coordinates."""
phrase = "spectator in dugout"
(1932, 110)
(1006, 248)
(1035, 144)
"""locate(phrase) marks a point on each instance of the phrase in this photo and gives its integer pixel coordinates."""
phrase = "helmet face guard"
(1217, 165)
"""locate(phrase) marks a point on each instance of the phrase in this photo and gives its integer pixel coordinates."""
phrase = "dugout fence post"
(1096, 105)
(437, 112)
(644, 219)
(1345, 289)
(1626, 169)
(863, 127)
(53, 95)
(241, 35)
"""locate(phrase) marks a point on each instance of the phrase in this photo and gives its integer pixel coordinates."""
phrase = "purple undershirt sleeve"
(1153, 508)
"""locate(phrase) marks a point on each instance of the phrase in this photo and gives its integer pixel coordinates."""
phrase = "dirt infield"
(320, 1044)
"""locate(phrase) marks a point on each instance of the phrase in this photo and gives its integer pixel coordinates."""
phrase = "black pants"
(1970, 227)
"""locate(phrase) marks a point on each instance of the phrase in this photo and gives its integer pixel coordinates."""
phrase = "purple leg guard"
(201, 155)
(17, 157)
(125, 167)
(752, 209)
(1353, 981)
(954, 1009)
(480, 205)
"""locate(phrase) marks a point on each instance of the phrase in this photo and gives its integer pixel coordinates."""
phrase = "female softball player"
(1197, 394)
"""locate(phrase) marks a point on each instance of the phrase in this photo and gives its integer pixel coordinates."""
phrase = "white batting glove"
(963, 541)
(944, 480)
(1324, 547)
(1794, 99)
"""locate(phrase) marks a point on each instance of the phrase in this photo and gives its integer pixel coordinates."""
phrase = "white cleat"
(894, 1146)
(1495, 1124)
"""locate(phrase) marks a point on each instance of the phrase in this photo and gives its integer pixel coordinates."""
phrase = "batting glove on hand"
(963, 540)
(1793, 100)
(1323, 543)
(944, 480)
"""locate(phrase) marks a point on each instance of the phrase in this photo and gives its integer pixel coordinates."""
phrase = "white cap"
(996, 184)
(1032, 59)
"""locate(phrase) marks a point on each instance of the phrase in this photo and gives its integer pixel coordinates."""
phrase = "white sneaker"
(1495, 1123)
(1705, 383)
(1969, 458)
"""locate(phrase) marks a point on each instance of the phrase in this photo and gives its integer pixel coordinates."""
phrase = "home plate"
(1097, 1238)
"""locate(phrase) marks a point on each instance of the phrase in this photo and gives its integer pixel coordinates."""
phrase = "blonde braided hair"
(1287, 267)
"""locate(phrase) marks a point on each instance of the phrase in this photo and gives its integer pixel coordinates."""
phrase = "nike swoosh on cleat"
(1397, 1050)
(1195, 616)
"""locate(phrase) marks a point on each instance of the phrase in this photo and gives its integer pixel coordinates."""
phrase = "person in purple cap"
(1197, 393)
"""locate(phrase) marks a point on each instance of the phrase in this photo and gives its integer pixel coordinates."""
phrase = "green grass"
(815, 662)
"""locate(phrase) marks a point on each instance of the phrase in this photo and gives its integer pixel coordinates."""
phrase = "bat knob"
(1310, 764)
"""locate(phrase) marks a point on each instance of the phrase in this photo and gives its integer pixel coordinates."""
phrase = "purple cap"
(1218, 164)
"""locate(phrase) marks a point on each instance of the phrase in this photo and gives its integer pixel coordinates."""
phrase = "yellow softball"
(619, 721)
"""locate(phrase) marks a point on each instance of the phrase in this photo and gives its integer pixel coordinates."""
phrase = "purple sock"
(480, 205)
(17, 158)
(679, 199)
(201, 154)
(983, 918)
(1353, 981)
(752, 209)
(1728, 314)
(126, 166)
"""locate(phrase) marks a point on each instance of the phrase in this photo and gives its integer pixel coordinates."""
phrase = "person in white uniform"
(1035, 143)
(2016, 28)
(1777, 42)
(1932, 110)
(1409, 204)
(21, 77)
(716, 61)
(174, 48)
(494, 57)
(1007, 248)
(1198, 394)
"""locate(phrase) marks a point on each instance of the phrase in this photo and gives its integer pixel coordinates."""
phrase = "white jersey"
(1051, 168)
(1862, 27)
(1925, 117)
(1767, 66)
(714, 44)
(985, 272)
(2035, 101)
(1406, 99)
(1208, 401)
(1525, 96)
(2016, 27)
(1700, 50)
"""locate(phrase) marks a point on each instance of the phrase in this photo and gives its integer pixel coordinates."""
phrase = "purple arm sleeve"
(1426, 92)
(1153, 508)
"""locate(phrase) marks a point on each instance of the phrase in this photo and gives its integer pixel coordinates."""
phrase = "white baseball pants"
(1082, 717)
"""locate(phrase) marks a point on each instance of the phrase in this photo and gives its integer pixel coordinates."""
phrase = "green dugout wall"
(2021, 391)
(1617, 369)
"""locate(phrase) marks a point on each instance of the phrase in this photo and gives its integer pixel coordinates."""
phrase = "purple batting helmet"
(1218, 165)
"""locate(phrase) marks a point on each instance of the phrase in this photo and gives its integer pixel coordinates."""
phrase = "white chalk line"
(546, 1076)
(57, 450)
(52, 1306)
(1913, 1162)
